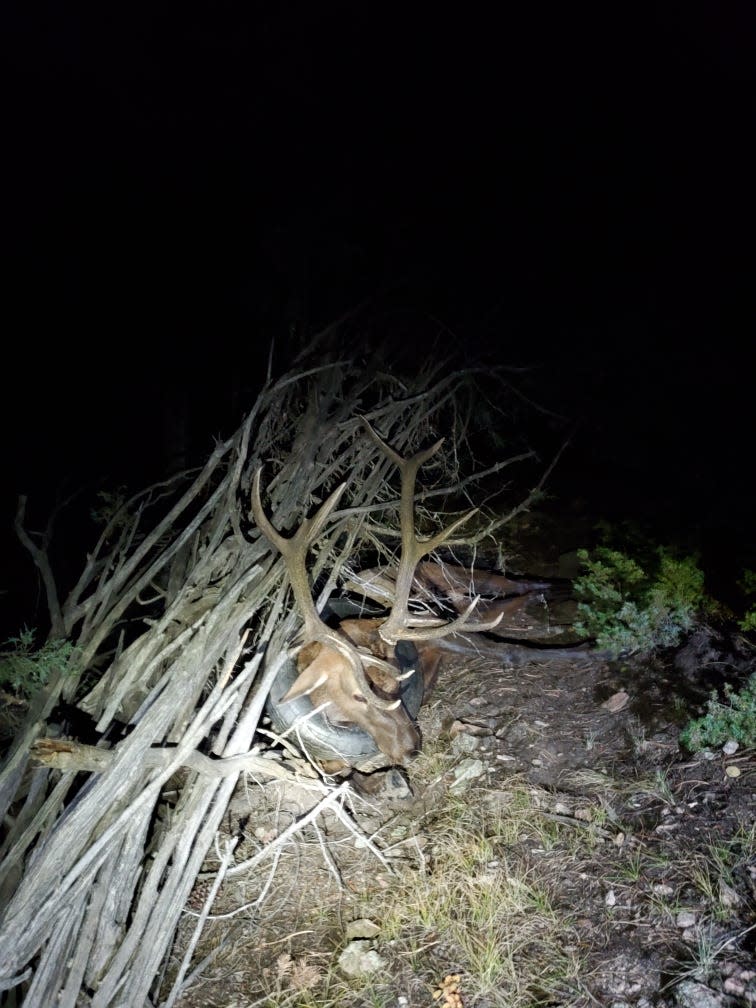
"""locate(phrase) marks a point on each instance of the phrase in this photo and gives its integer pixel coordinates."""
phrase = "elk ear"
(306, 682)
(407, 655)
(317, 665)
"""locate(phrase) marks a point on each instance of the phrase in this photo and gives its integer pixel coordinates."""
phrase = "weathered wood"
(179, 619)
(66, 754)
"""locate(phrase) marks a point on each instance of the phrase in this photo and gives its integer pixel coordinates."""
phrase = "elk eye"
(359, 698)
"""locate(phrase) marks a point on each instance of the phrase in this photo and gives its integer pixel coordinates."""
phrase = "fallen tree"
(179, 624)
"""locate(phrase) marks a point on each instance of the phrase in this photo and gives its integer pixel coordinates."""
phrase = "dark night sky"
(572, 184)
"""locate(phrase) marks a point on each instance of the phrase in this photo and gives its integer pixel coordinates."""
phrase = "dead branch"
(68, 755)
(92, 880)
(42, 562)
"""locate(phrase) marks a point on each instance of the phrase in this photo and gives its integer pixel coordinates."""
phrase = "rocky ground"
(552, 845)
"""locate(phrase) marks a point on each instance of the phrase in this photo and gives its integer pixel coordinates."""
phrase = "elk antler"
(294, 553)
(400, 624)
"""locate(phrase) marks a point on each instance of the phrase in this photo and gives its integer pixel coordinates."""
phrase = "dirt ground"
(646, 853)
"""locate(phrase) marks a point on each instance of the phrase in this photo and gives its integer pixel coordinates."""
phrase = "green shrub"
(748, 587)
(24, 670)
(735, 719)
(626, 608)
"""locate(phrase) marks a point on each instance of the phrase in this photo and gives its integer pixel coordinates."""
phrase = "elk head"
(358, 668)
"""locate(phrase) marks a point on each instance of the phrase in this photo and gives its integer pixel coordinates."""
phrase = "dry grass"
(483, 909)
(472, 918)
(509, 896)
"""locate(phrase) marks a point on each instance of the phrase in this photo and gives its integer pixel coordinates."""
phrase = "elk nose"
(403, 745)
(414, 743)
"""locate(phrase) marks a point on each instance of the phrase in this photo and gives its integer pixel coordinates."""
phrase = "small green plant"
(24, 670)
(734, 719)
(627, 608)
(748, 586)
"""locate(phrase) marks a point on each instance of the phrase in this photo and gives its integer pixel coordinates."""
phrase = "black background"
(568, 186)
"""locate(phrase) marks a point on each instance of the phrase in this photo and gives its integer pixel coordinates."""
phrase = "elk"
(359, 667)
(451, 586)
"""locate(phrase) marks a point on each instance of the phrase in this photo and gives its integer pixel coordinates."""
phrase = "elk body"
(362, 668)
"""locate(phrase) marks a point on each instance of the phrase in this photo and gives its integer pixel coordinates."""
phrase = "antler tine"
(399, 623)
(412, 632)
(294, 553)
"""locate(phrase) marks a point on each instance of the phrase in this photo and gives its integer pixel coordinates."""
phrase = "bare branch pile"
(181, 622)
